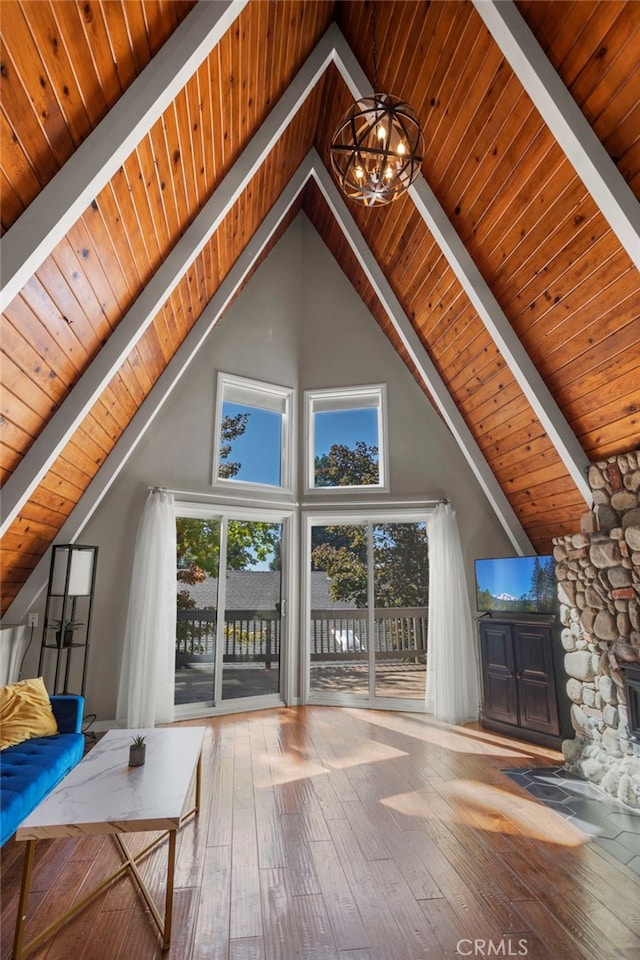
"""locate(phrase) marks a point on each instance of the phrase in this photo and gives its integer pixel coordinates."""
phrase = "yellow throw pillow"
(25, 712)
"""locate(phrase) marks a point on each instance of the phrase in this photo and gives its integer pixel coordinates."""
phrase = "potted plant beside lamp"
(64, 631)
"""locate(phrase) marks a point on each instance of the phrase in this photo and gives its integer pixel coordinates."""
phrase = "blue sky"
(511, 575)
(258, 449)
(346, 426)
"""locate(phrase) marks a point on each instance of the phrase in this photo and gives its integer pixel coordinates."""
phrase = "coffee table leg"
(168, 911)
(24, 898)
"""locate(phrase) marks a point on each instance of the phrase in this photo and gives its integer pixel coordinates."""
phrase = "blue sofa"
(31, 769)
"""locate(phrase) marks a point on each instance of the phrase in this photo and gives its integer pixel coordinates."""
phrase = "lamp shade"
(377, 149)
(72, 571)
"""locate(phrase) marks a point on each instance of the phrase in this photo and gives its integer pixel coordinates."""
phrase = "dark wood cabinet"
(521, 680)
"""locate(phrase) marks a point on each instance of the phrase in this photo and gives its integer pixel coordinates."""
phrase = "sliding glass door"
(229, 627)
(367, 603)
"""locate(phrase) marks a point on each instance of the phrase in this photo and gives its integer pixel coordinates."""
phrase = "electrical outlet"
(32, 620)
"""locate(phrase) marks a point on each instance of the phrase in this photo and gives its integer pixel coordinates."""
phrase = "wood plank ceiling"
(552, 262)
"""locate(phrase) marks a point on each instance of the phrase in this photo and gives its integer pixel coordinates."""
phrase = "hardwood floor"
(345, 834)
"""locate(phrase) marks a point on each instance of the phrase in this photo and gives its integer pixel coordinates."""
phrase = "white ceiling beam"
(486, 305)
(160, 392)
(45, 449)
(428, 373)
(28, 243)
(566, 121)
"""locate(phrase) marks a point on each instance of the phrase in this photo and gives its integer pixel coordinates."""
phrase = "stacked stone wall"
(598, 580)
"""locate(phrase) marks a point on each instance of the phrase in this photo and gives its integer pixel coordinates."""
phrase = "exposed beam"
(430, 376)
(51, 215)
(566, 121)
(44, 451)
(159, 393)
(488, 308)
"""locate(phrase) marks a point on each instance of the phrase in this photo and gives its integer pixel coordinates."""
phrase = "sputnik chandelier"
(378, 148)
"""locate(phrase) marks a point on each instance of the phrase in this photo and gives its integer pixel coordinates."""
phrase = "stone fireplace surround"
(598, 584)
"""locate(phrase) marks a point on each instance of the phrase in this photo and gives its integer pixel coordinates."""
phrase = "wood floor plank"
(297, 855)
(211, 935)
(246, 915)
(327, 797)
(549, 932)
(460, 897)
(587, 920)
(345, 834)
(185, 908)
(268, 833)
(314, 929)
(249, 949)
(386, 937)
(414, 869)
(107, 936)
(141, 938)
(419, 940)
(348, 929)
(281, 939)
(220, 823)
(447, 926)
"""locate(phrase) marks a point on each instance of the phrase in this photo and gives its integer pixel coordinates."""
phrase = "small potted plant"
(64, 631)
(137, 751)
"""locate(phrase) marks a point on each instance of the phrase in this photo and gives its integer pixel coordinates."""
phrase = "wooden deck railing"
(254, 635)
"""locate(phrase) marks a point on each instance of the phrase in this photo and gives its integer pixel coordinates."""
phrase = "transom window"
(253, 433)
(346, 438)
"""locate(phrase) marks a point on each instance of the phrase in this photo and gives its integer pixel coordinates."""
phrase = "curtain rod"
(199, 495)
(296, 503)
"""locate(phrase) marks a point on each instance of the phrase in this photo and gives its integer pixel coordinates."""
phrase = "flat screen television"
(516, 585)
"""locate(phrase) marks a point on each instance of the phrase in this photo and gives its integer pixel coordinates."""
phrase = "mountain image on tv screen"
(516, 585)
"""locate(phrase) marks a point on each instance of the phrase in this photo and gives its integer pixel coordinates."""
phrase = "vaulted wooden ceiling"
(557, 387)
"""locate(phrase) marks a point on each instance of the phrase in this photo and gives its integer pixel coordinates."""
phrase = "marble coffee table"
(104, 795)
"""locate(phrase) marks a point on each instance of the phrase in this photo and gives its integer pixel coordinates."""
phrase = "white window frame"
(263, 396)
(347, 398)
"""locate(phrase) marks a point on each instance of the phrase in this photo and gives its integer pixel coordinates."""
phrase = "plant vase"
(64, 638)
(137, 755)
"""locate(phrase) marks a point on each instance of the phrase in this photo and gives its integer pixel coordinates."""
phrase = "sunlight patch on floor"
(530, 818)
(458, 739)
(278, 768)
(369, 751)
(274, 769)
(486, 807)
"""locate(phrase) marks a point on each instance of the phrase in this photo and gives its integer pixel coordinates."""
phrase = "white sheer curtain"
(452, 676)
(146, 691)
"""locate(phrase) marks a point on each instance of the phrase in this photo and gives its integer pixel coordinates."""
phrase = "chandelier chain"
(375, 45)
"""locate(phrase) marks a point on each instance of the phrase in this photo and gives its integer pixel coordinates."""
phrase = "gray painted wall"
(297, 323)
